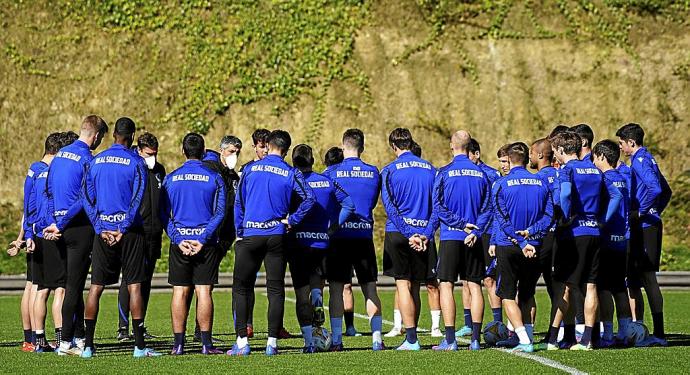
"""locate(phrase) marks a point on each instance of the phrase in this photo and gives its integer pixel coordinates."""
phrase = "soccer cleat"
(148, 336)
(319, 316)
(408, 346)
(445, 346)
(146, 352)
(552, 347)
(436, 332)
(565, 345)
(524, 348)
(396, 331)
(63, 347)
(177, 350)
(378, 346)
(309, 349)
(336, 348)
(580, 347)
(271, 350)
(44, 349)
(209, 350)
(352, 332)
(652, 341)
(87, 352)
(123, 335)
(284, 334)
(80, 343)
(237, 351)
(474, 345)
(28, 347)
(250, 331)
(510, 342)
(464, 331)
(75, 350)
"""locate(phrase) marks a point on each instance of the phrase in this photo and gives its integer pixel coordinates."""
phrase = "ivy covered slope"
(505, 70)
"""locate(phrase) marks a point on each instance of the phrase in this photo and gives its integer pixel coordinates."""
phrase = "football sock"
(497, 313)
(623, 326)
(529, 328)
(349, 318)
(27, 335)
(206, 339)
(468, 317)
(596, 333)
(40, 337)
(33, 337)
(179, 339)
(376, 324)
(586, 336)
(316, 298)
(272, 341)
(397, 319)
(658, 319)
(411, 335)
(553, 335)
(435, 319)
(450, 334)
(138, 328)
(58, 335)
(337, 330)
(242, 342)
(476, 330)
(89, 333)
(306, 333)
(521, 333)
(569, 333)
(608, 331)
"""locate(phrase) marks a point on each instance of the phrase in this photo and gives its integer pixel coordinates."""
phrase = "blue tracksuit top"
(31, 216)
(649, 190)
(332, 206)
(616, 232)
(362, 183)
(462, 194)
(406, 192)
(522, 202)
(264, 196)
(192, 203)
(65, 183)
(550, 176)
(491, 173)
(115, 182)
(625, 170)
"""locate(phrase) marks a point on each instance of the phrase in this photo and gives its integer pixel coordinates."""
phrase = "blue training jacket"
(616, 232)
(462, 194)
(625, 170)
(550, 176)
(332, 206)
(491, 173)
(649, 190)
(264, 196)
(361, 181)
(30, 212)
(522, 202)
(407, 190)
(65, 182)
(192, 203)
(114, 185)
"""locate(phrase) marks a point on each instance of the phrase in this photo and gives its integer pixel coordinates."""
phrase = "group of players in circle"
(587, 223)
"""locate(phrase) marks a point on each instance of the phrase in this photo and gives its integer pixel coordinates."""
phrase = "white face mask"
(231, 161)
(150, 161)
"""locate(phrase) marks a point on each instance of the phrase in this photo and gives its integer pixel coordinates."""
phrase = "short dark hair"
(560, 128)
(53, 144)
(125, 127)
(609, 149)
(67, 138)
(416, 149)
(354, 138)
(193, 146)
(569, 141)
(260, 135)
(280, 139)
(474, 147)
(545, 147)
(302, 156)
(633, 132)
(585, 132)
(401, 138)
(518, 153)
(333, 156)
(503, 151)
(147, 140)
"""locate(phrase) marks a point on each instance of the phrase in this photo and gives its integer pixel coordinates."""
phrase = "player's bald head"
(460, 140)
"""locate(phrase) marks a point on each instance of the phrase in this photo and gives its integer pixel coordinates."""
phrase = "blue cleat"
(474, 345)
(210, 350)
(444, 346)
(352, 332)
(309, 349)
(271, 350)
(524, 348)
(336, 347)
(146, 352)
(464, 331)
(87, 352)
(237, 351)
(407, 346)
(177, 350)
(378, 346)
(565, 345)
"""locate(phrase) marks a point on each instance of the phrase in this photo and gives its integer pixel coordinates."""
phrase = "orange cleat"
(28, 347)
(250, 331)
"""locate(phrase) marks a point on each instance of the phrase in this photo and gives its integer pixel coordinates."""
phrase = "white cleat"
(436, 332)
(396, 331)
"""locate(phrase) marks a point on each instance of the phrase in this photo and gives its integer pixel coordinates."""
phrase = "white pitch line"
(539, 359)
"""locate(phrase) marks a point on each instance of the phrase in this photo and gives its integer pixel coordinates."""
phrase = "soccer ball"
(635, 333)
(321, 338)
(495, 332)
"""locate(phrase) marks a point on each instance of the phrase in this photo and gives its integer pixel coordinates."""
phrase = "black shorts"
(127, 256)
(432, 261)
(577, 261)
(546, 253)
(37, 263)
(348, 253)
(645, 248)
(489, 261)
(613, 264)
(405, 263)
(54, 268)
(305, 263)
(517, 275)
(29, 268)
(455, 260)
(199, 269)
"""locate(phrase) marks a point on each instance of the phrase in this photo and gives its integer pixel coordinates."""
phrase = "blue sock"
(376, 323)
(411, 335)
(316, 298)
(476, 330)
(586, 336)
(337, 330)
(468, 317)
(450, 334)
(497, 313)
(306, 333)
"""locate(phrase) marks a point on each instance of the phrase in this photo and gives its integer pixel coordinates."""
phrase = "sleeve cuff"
(523, 244)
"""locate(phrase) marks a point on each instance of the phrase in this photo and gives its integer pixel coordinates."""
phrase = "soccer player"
(115, 181)
(68, 224)
(264, 196)
(407, 185)
(587, 135)
(192, 210)
(524, 213)
(503, 160)
(614, 247)
(577, 262)
(353, 246)
(147, 147)
(462, 202)
(650, 194)
(308, 241)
